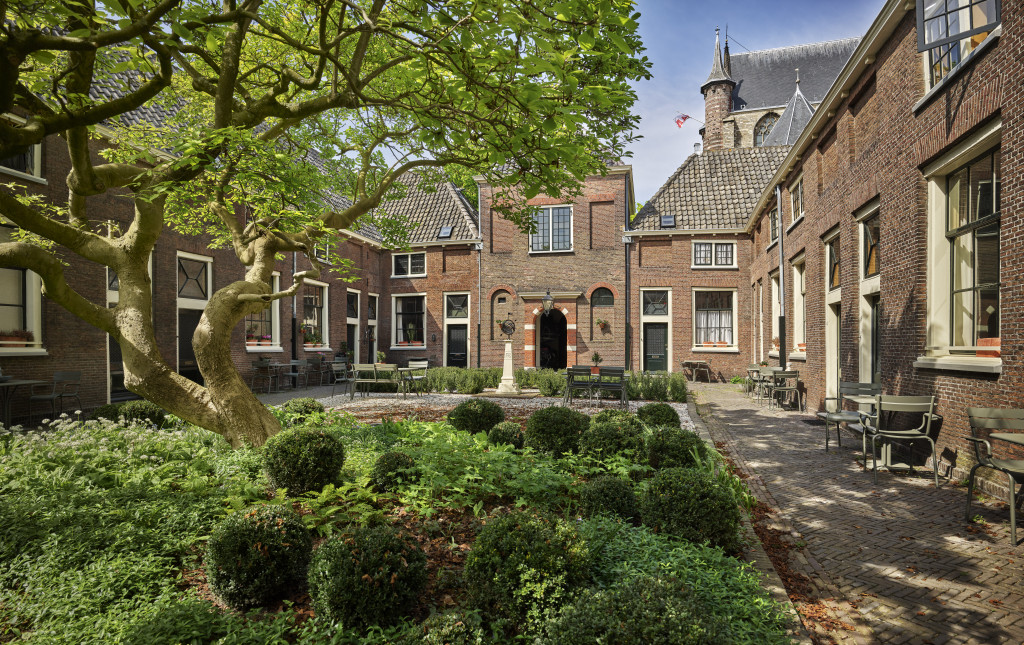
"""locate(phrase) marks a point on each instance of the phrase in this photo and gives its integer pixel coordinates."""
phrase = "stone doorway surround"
(566, 303)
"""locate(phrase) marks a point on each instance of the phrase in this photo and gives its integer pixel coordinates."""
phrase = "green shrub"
(693, 505)
(551, 383)
(507, 432)
(258, 556)
(139, 410)
(611, 414)
(525, 378)
(392, 469)
(371, 576)
(303, 409)
(476, 415)
(606, 439)
(677, 387)
(442, 379)
(524, 567)
(471, 382)
(465, 380)
(303, 460)
(672, 447)
(556, 430)
(659, 414)
(456, 627)
(609, 495)
(641, 611)
(108, 411)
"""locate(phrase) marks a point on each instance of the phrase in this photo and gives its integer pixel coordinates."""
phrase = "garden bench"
(367, 373)
(611, 379)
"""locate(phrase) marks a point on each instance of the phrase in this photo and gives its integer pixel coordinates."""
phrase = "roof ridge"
(466, 207)
(821, 43)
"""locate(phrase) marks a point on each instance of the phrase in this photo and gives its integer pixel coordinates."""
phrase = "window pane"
(702, 254)
(352, 305)
(457, 306)
(409, 320)
(982, 193)
(401, 265)
(773, 216)
(561, 229)
(12, 298)
(371, 308)
(723, 254)
(540, 240)
(192, 279)
(313, 311)
(713, 322)
(833, 264)
(988, 313)
(987, 254)
(656, 303)
(962, 307)
(602, 298)
(871, 246)
(417, 263)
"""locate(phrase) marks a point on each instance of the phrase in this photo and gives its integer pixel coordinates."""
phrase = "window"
(714, 254)
(27, 163)
(871, 257)
(776, 310)
(972, 230)
(764, 128)
(457, 306)
(193, 279)
(409, 320)
(799, 306)
(948, 30)
(322, 251)
(832, 253)
(263, 328)
(371, 308)
(445, 233)
(352, 321)
(20, 303)
(553, 230)
(713, 320)
(655, 303)
(796, 200)
(668, 221)
(602, 297)
(314, 314)
(410, 265)
(773, 226)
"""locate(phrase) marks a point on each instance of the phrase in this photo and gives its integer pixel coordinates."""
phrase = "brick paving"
(896, 562)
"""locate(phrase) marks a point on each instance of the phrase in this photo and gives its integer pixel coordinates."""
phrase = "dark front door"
(188, 320)
(457, 346)
(552, 340)
(656, 347)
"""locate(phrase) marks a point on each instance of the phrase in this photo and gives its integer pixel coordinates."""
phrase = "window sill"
(981, 365)
(22, 175)
(798, 356)
(316, 348)
(408, 347)
(959, 69)
(23, 351)
(718, 267)
(773, 354)
(771, 245)
(795, 222)
(716, 350)
(550, 252)
(411, 275)
(263, 348)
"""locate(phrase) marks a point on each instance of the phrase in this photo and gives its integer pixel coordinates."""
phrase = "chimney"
(696, 148)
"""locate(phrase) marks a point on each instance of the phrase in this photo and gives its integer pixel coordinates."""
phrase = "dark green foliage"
(140, 410)
(257, 556)
(523, 567)
(456, 627)
(303, 409)
(471, 382)
(642, 611)
(371, 576)
(303, 460)
(656, 386)
(466, 380)
(611, 414)
(392, 469)
(108, 411)
(476, 415)
(507, 432)
(671, 447)
(604, 439)
(556, 430)
(609, 495)
(551, 383)
(691, 504)
(659, 414)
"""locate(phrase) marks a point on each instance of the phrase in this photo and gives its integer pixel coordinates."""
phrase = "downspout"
(782, 282)
(295, 269)
(479, 276)
(629, 335)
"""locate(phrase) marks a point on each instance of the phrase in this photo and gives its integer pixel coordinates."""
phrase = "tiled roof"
(716, 189)
(792, 122)
(765, 78)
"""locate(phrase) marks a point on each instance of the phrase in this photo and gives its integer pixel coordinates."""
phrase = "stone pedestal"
(508, 384)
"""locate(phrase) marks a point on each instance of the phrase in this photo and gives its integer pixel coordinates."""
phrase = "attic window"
(445, 234)
(948, 30)
(668, 221)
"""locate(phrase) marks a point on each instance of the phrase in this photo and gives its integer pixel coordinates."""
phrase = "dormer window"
(948, 30)
(445, 233)
(668, 221)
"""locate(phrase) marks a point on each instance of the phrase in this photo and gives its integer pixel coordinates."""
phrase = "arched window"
(764, 128)
(602, 297)
(500, 309)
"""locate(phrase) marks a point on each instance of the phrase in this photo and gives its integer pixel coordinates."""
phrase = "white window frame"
(33, 286)
(457, 321)
(36, 176)
(355, 321)
(714, 255)
(572, 231)
(799, 266)
(372, 323)
(275, 322)
(776, 309)
(728, 349)
(394, 320)
(796, 206)
(773, 224)
(667, 317)
(408, 257)
(325, 325)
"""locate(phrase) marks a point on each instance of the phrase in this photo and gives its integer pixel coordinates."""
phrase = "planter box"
(12, 341)
(265, 342)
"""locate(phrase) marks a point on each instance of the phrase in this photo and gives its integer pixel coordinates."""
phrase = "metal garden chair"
(64, 386)
(578, 378)
(989, 419)
(885, 409)
(841, 415)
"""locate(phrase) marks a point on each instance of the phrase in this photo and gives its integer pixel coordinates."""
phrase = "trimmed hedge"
(609, 495)
(140, 410)
(691, 504)
(670, 447)
(392, 469)
(659, 414)
(605, 439)
(303, 460)
(556, 430)
(507, 432)
(303, 409)
(476, 415)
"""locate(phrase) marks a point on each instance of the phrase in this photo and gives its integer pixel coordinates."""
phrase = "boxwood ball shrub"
(141, 410)
(455, 627)
(691, 504)
(556, 430)
(476, 415)
(371, 576)
(108, 411)
(391, 469)
(670, 447)
(659, 414)
(302, 409)
(507, 432)
(303, 460)
(525, 566)
(611, 414)
(609, 495)
(641, 611)
(257, 556)
(623, 436)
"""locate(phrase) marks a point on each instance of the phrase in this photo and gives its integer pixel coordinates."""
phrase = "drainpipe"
(782, 282)
(479, 276)
(295, 269)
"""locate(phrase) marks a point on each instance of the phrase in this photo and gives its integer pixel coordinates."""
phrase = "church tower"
(717, 91)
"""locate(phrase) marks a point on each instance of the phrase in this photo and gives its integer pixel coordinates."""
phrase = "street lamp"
(547, 302)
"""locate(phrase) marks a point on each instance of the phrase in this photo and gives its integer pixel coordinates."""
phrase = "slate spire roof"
(794, 119)
(714, 190)
(718, 68)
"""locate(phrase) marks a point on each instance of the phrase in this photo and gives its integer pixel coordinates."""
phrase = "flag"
(681, 119)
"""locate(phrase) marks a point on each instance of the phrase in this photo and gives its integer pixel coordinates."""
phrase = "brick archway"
(607, 285)
(531, 315)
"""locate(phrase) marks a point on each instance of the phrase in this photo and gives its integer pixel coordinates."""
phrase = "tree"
(280, 122)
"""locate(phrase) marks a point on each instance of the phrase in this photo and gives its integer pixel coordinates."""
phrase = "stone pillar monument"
(508, 384)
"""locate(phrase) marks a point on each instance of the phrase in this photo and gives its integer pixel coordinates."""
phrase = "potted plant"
(601, 323)
(311, 337)
(763, 363)
(410, 335)
(596, 359)
(16, 338)
(266, 339)
(775, 343)
(381, 357)
(250, 335)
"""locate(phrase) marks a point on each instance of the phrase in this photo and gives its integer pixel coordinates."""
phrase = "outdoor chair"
(578, 378)
(990, 419)
(850, 417)
(877, 425)
(753, 374)
(262, 371)
(611, 379)
(320, 368)
(418, 378)
(64, 386)
(343, 376)
(363, 375)
(785, 383)
(297, 370)
(766, 382)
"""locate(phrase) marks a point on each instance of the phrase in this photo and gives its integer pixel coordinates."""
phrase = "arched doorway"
(551, 345)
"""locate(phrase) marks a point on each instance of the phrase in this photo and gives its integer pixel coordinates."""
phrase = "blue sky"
(680, 37)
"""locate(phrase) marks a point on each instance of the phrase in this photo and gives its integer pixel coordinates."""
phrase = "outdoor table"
(7, 392)
(695, 365)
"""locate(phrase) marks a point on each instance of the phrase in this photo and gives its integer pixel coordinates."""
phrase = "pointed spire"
(726, 65)
(793, 120)
(718, 73)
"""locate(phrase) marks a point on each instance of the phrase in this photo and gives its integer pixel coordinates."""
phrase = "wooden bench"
(367, 373)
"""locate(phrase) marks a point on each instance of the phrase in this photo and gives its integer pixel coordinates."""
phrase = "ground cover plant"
(107, 534)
